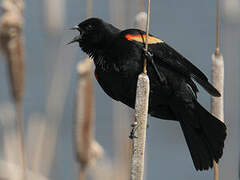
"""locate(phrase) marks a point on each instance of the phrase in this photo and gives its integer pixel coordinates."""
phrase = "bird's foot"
(134, 128)
(148, 125)
(149, 57)
(148, 54)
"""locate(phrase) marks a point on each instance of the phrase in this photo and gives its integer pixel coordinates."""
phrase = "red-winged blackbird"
(118, 57)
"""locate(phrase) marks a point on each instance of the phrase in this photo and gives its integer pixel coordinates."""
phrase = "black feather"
(204, 134)
(118, 57)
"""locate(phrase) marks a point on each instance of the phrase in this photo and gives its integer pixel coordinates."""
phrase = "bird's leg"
(134, 126)
(149, 57)
(148, 125)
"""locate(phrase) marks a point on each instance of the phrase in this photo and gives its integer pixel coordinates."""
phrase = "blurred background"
(51, 82)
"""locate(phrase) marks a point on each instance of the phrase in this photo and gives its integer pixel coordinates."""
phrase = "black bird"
(118, 57)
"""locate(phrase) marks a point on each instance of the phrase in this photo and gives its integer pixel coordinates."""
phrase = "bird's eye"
(89, 27)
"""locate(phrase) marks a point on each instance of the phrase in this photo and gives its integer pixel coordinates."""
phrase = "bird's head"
(94, 34)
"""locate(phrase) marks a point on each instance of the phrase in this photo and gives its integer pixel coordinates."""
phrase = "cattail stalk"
(20, 135)
(141, 108)
(11, 44)
(141, 113)
(141, 5)
(218, 81)
(147, 34)
(54, 16)
(87, 149)
(84, 115)
(35, 133)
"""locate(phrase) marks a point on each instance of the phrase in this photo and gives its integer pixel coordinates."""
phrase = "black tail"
(204, 134)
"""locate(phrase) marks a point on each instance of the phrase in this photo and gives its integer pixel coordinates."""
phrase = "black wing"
(180, 64)
(171, 57)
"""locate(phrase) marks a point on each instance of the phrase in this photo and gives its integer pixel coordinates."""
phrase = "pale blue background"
(188, 26)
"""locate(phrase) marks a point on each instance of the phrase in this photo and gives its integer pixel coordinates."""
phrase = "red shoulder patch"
(95, 74)
(142, 38)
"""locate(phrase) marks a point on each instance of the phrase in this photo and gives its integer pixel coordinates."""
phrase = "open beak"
(75, 28)
(77, 38)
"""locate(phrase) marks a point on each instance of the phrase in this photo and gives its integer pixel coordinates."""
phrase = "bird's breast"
(110, 83)
(117, 86)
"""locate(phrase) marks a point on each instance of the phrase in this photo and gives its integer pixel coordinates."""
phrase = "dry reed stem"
(20, 135)
(141, 108)
(10, 144)
(54, 16)
(147, 34)
(89, 6)
(83, 172)
(142, 5)
(87, 149)
(231, 11)
(218, 80)
(141, 20)
(117, 9)
(35, 133)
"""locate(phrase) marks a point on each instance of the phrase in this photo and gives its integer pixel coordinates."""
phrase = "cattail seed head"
(11, 44)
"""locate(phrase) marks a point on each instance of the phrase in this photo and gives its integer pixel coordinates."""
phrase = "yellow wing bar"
(142, 38)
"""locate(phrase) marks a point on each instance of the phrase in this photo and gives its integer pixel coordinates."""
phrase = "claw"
(149, 57)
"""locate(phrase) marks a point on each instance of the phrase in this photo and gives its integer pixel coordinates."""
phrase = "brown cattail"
(11, 44)
(87, 149)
